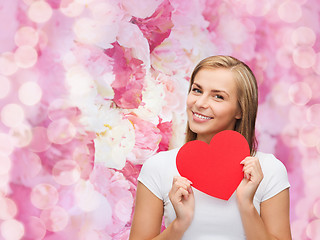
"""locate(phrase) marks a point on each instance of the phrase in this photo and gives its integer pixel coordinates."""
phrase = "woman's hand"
(252, 177)
(182, 199)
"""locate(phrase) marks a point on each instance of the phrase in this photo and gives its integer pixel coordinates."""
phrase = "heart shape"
(214, 169)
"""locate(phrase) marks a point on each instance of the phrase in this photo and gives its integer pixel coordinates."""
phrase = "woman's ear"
(239, 114)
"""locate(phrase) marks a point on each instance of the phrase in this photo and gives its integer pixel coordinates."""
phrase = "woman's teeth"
(201, 116)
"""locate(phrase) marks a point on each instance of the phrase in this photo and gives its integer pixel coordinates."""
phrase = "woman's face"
(212, 104)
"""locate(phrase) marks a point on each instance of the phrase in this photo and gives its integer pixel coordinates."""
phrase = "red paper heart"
(214, 169)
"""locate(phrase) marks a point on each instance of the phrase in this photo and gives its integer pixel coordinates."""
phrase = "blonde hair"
(247, 91)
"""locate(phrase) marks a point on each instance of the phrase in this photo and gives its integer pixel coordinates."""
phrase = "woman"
(223, 95)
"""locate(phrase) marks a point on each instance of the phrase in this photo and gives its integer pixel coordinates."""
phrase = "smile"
(201, 116)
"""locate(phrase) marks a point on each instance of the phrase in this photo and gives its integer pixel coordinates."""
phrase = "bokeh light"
(313, 229)
(304, 57)
(12, 115)
(25, 57)
(300, 93)
(66, 172)
(12, 229)
(79, 81)
(55, 219)
(313, 114)
(40, 141)
(26, 36)
(30, 93)
(44, 196)
(289, 11)
(35, 228)
(40, 11)
(310, 135)
(5, 86)
(21, 135)
(61, 131)
(303, 36)
(71, 8)
(6, 144)
(5, 164)
(8, 208)
(61, 108)
(87, 198)
(7, 64)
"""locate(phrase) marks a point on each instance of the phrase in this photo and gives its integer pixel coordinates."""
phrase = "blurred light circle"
(26, 36)
(313, 114)
(122, 209)
(12, 229)
(55, 219)
(303, 36)
(29, 2)
(300, 93)
(25, 57)
(309, 135)
(316, 208)
(43, 39)
(66, 172)
(61, 108)
(5, 164)
(71, 8)
(279, 93)
(40, 11)
(86, 30)
(8, 208)
(40, 141)
(5, 87)
(313, 229)
(61, 131)
(104, 12)
(7, 64)
(6, 144)
(316, 66)
(21, 135)
(289, 11)
(284, 57)
(84, 2)
(12, 115)
(258, 8)
(290, 135)
(44, 196)
(32, 166)
(35, 228)
(69, 60)
(79, 80)
(86, 197)
(30, 93)
(4, 184)
(304, 57)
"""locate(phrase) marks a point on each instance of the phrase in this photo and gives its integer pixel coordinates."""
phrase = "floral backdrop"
(91, 88)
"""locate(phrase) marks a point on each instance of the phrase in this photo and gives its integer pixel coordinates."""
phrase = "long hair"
(247, 91)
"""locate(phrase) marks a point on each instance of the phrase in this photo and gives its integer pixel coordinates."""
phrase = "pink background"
(103, 83)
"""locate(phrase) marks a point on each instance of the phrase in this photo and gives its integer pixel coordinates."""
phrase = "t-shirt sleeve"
(275, 177)
(150, 175)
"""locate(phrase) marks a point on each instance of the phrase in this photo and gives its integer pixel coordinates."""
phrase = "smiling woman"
(223, 95)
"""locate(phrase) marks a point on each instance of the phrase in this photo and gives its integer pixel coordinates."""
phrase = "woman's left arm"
(273, 221)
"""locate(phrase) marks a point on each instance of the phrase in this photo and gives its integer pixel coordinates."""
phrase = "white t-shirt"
(213, 218)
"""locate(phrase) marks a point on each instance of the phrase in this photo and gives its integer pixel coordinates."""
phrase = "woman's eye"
(219, 96)
(196, 90)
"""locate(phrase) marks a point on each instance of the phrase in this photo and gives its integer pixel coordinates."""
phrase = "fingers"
(252, 169)
(181, 188)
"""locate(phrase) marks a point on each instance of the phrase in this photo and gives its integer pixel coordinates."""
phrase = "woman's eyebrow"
(214, 90)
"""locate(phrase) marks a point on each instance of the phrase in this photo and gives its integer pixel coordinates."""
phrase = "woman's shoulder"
(162, 158)
(268, 160)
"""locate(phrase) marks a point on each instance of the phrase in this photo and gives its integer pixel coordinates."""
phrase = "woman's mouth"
(198, 116)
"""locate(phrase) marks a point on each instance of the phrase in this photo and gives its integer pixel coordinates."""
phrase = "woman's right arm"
(147, 219)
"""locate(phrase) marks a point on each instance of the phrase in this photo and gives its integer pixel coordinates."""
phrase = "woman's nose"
(202, 102)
